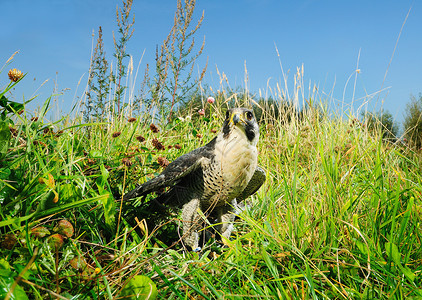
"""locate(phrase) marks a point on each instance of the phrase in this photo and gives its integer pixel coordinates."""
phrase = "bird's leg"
(191, 224)
(225, 218)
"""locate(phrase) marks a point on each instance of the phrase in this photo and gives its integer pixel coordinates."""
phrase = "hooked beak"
(236, 118)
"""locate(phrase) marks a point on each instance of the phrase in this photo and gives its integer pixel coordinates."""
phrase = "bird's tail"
(155, 211)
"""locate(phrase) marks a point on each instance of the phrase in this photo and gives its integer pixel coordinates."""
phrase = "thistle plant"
(98, 82)
(124, 23)
(176, 59)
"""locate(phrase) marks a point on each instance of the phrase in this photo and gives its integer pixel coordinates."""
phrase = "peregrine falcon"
(212, 178)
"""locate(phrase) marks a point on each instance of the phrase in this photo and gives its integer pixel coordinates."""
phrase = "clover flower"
(15, 75)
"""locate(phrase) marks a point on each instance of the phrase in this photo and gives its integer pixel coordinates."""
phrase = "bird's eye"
(227, 115)
(249, 115)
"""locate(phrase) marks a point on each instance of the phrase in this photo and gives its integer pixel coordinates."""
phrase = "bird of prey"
(212, 178)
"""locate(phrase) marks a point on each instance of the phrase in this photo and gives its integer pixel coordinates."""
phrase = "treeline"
(383, 122)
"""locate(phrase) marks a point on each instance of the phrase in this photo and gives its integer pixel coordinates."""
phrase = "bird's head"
(243, 121)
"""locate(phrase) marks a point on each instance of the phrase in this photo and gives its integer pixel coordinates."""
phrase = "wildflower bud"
(162, 161)
(126, 162)
(15, 75)
(158, 145)
(210, 100)
(9, 241)
(140, 138)
(201, 112)
(154, 128)
(55, 241)
(39, 232)
(65, 228)
(13, 131)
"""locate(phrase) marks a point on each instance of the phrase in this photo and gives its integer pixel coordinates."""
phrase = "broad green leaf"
(406, 217)
(69, 192)
(407, 272)
(394, 254)
(7, 278)
(4, 264)
(49, 200)
(95, 154)
(108, 202)
(5, 173)
(140, 287)
(10, 106)
(109, 208)
(5, 136)
(362, 247)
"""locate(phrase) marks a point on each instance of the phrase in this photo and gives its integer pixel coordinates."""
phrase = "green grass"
(337, 218)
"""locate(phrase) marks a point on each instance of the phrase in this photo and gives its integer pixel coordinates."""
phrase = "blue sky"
(54, 39)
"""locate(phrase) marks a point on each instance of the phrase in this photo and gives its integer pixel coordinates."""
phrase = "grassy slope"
(338, 216)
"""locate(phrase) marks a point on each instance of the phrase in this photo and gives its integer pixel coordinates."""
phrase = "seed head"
(13, 131)
(162, 161)
(15, 75)
(116, 134)
(154, 128)
(140, 138)
(131, 120)
(126, 162)
(158, 145)
(177, 146)
(9, 241)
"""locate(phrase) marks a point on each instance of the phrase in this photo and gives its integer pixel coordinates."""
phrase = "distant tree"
(413, 122)
(382, 120)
